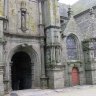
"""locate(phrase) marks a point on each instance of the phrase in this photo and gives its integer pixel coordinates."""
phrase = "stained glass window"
(72, 48)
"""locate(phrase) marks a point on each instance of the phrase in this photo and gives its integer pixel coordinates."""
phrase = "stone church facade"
(44, 45)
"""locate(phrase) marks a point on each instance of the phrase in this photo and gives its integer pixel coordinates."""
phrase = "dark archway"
(21, 71)
(75, 76)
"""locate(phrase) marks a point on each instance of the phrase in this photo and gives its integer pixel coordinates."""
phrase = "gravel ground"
(71, 91)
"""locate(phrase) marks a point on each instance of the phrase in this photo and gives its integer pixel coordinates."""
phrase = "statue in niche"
(57, 55)
(23, 20)
(23, 16)
(48, 55)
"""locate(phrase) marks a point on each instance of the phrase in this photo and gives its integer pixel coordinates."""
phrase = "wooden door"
(75, 76)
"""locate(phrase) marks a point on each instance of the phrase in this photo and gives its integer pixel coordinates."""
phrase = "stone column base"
(56, 76)
(6, 89)
(44, 82)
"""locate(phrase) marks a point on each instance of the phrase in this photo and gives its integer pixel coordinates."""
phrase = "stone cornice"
(3, 18)
(23, 35)
(74, 62)
(1, 67)
(89, 40)
(53, 45)
(52, 26)
(2, 41)
(53, 67)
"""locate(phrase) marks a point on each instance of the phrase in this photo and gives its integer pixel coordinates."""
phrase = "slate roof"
(77, 8)
(83, 5)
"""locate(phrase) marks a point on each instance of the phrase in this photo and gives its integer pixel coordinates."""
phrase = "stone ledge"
(55, 67)
(23, 35)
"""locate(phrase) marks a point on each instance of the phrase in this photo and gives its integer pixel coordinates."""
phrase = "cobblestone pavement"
(72, 91)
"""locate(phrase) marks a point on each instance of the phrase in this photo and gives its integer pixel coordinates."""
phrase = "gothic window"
(72, 48)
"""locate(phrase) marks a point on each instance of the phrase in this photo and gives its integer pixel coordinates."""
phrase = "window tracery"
(72, 48)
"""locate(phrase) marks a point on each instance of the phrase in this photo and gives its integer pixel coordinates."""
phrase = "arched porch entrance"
(75, 76)
(21, 71)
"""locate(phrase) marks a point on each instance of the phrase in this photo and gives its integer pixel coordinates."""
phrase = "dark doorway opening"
(21, 71)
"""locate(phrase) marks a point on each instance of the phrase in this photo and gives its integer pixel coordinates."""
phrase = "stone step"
(33, 92)
(70, 91)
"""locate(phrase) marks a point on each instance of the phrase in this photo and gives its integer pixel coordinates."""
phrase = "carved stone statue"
(23, 16)
(57, 55)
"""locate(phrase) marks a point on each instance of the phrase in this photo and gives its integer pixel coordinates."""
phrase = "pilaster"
(2, 42)
(90, 60)
(43, 77)
(53, 44)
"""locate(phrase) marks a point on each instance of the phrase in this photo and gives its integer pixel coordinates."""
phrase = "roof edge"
(85, 11)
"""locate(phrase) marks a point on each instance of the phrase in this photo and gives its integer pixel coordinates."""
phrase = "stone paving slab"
(71, 91)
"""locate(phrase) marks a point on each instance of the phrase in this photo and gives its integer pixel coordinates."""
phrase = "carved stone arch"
(30, 52)
(73, 35)
(19, 48)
